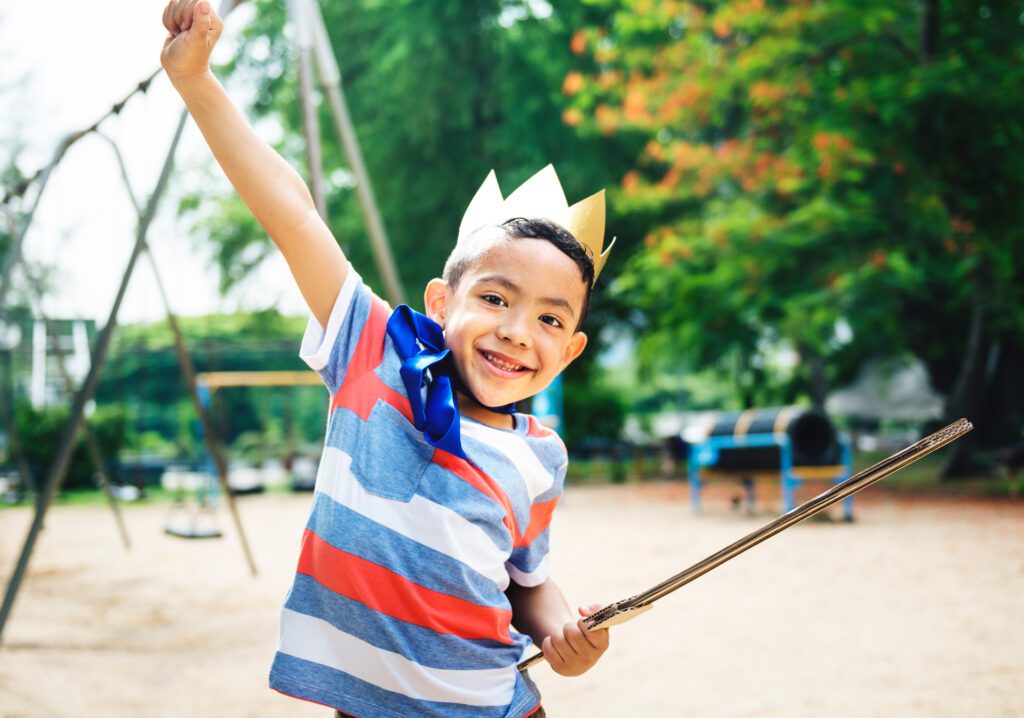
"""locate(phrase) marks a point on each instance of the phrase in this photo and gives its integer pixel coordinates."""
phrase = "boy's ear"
(576, 345)
(435, 300)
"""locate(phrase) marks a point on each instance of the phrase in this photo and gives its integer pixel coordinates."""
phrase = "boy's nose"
(514, 330)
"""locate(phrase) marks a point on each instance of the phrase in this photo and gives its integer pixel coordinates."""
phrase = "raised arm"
(269, 186)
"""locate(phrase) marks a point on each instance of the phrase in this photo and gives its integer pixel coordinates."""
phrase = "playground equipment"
(193, 514)
(311, 36)
(791, 443)
(209, 382)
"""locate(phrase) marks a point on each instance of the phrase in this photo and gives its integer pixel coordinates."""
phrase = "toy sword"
(627, 609)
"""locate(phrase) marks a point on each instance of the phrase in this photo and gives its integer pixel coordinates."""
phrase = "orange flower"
(670, 180)
(721, 28)
(961, 226)
(606, 118)
(878, 258)
(573, 83)
(634, 107)
(572, 117)
(630, 182)
(766, 93)
(655, 151)
(578, 44)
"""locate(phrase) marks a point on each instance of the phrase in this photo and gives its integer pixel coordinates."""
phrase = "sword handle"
(611, 615)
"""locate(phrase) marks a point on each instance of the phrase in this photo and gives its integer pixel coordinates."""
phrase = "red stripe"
(361, 395)
(482, 483)
(370, 350)
(535, 428)
(393, 595)
(362, 387)
(540, 519)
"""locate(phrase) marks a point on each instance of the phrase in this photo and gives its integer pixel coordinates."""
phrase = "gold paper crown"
(540, 197)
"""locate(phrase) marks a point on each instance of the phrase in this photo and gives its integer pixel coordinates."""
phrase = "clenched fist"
(193, 28)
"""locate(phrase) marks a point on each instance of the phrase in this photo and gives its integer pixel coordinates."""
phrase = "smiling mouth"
(502, 364)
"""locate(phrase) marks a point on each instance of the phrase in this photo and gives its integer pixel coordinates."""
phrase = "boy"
(428, 534)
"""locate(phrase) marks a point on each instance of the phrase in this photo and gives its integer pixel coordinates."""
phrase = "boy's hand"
(576, 650)
(193, 27)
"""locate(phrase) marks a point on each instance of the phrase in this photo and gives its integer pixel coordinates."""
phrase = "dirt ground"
(915, 609)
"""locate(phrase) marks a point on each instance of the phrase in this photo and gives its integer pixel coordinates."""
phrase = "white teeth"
(501, 364)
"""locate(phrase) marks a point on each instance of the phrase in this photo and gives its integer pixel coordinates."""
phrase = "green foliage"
(40, 432)
(593, 411)
(143, 375)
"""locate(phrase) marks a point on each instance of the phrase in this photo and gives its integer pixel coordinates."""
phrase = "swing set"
(312, 48)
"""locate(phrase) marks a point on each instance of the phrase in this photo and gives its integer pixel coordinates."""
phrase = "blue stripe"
(549, 450)
(340, 690)
(445, 488)
(496, 464)
(528, 558)
(353, 533)
(421, 645)
(388, 370)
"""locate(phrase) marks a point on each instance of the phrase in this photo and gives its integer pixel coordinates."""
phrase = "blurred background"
(818, 203)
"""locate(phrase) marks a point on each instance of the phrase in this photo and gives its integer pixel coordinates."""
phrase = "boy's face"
(511, 322)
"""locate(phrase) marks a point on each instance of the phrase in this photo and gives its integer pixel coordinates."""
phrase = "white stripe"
(420, 519)
(313, 639)
(317, 342)
(517, 451)
(535, 578)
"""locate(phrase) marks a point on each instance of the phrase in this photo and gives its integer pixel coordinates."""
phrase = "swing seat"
(191, 531)
(195, 522)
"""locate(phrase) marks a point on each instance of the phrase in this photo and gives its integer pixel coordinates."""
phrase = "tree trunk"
(968, 391)
(928, 42)
(819, 382)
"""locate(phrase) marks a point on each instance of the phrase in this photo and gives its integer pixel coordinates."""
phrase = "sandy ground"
(913, 610)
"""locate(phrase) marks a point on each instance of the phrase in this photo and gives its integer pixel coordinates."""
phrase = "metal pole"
(14, 255)
(188, 371)
(60, 463)
(91, 444)
(299, 12)
(330, 80)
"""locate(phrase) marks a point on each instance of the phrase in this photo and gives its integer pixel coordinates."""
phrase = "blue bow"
(429, 378)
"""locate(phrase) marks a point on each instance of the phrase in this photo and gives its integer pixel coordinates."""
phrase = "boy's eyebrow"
(504, 281)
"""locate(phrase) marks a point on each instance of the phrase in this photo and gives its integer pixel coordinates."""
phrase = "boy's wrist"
(184, 82)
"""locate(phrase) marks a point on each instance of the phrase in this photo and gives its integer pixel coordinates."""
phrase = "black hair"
(520, 228)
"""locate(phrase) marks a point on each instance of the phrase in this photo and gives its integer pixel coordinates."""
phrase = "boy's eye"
(553, 321)
(494, 299)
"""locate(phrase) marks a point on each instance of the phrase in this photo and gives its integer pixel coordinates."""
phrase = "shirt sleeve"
(528, 564)
(331, 350)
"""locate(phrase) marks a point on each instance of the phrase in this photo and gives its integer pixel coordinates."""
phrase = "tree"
(843, 178)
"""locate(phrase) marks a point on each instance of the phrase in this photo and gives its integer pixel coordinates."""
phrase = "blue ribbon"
(429, 378)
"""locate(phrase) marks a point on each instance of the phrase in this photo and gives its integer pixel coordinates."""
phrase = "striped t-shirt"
(398, 605)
